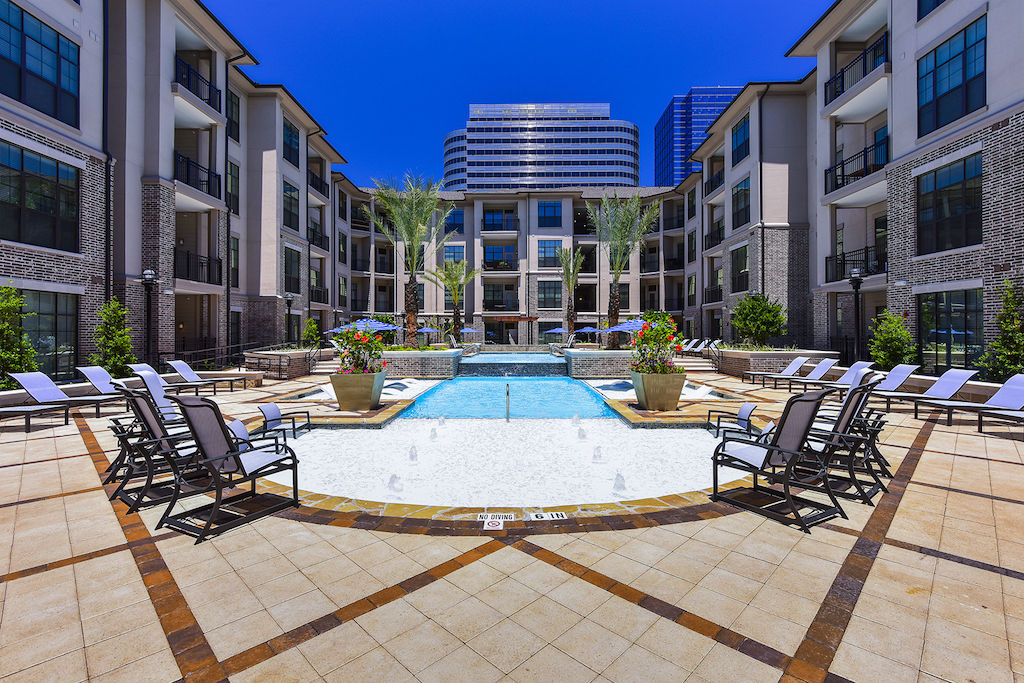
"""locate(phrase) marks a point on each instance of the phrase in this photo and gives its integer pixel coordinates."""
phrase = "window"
(547, 253)
(924, 7)
(292, 265)
(951, 79)
(233, 256)
(291, 143)
(740, 272)
(549, 214)
(343, 207)
(291, 206)
(497, 253)
(419, 296)
(449, 302)
(741, 204)
(38, 199)
(949, 206)
(623, 296)
(741, 140)
(232, 193)
(454, 252)
(53, 331)
(882, 236)
(234, 115)
(38, 66)
(691, 290)
(691, 203)
(950, 329)
(691, 246)
(549, 295)
(455, 221)
(342, 291)
(235, 328)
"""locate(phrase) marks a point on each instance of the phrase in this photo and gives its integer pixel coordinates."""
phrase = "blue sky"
(388, 78)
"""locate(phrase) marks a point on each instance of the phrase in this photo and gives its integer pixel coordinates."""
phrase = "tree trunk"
(570, 314)
(411, 307)
(456, 322)
(613, 315)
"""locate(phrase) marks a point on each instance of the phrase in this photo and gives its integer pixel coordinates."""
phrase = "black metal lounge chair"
(816, 373)
(274, 420)
(44, 392)
(176, 387)
(788, 371)
(186, 373)
(945, 387)
(229, 466)
(845, 381)
(27, 412)
(740, 421)
(776, 462)
(1005, 415)
(1010, 396)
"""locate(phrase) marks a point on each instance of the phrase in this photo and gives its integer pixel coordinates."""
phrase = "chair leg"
(980, 431)
(949, 417)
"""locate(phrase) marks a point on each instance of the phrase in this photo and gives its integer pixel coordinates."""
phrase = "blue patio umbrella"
(556, 330)
(428, 329)
(588, 330)
(469, 330)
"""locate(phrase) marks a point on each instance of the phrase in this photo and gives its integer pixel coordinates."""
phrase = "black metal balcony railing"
(360, 304)
(650, 264)
(189, 266)
(501, 304)
(714, 181)
(741, 282)
(194, 175)
(318, 294)
(863, 64)
(318, 239)
(548, 262)
(862, 164)
(583, 227)
(869, 261)
(501, 264)
(318, 183)
(292, 284)
(384, 266)
(714, 237)
(384, 305)
(674, 263)
(359, 219)
(362, 264)
(185, 74)
(450, 226)
(507, 223)
(673, 303)
(712, 294)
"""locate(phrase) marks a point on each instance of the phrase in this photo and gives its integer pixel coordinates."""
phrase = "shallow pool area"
(490, 463)
(528, 397)
(512, 358)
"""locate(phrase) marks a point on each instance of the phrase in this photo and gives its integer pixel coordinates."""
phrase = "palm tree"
(571, 261)
(413, 219)
(621, 225)
(453, 278)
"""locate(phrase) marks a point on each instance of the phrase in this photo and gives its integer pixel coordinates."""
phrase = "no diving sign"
(494, 520)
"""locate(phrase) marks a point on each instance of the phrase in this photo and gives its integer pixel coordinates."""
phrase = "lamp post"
(149, 281)
(288, 298)
(855, 281)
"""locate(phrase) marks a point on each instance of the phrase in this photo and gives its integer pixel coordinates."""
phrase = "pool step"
(695, 364)
(512, 370)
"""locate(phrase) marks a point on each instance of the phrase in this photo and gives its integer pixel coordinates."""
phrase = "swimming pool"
(512, 358)
(529, 397)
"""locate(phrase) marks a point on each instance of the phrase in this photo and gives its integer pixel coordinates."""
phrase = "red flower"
(671, 338)
(378, 337)
(679, 349)
(646, 326)
(384, 364)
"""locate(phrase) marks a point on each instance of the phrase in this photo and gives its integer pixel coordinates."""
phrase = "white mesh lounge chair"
(690, 344)
(155, 388)
(842, 384)
(274, 421)
(186, 372)
(1004, 415)
(567, 344)
(788, 371)
(44, 392)
(740, 421)
(465, 346)
(945, 387)
(1009, 397)
(817, 372)
(698, 349)
(897, 377)
(176, 387)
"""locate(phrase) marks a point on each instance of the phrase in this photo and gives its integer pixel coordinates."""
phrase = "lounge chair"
(567, 344)
(465, 346)
(698, 349)
(740, 419)
(274, 421)
(776, 462)
(189, 375)
(176, 387)
(227, 467)
(896, 378)
(842, 384)
(788, 371)
(945, 387)
(244, 440)
(155, 388)
(1009, 397)
(28, 412)
(44, 392)
(816, 373)
(1005, 415)
(690, 343)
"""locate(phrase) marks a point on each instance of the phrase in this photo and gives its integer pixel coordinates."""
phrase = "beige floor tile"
(118, 621)
(506, 645)
(956, 652)
(421, 646)
(283, 588)
(723, 663)
(375, 665)
(680, 564)
(468, 618)
(508, 596)
(541, 577)
(733, 585)
(393, 619)
(395, 570)
(508, 560)
(675, 643)
(546, 618)
(331, 570)
(856, 663)
(115, 652)
(463, 665)
(623, 618)
(301, 609)
(436, 597)
(637, 665)
(620, 568)
(551, 664)
(29, 652)
(67, 668)
(475, 577)
(236, 636)
(579, 596)
(712, 605)
(352, 588)
(591, 644)
(662, 585)
(211, 615)
(287, 666)
(159, 666)
(337, 647)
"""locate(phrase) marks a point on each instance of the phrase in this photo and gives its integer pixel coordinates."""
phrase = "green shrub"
(16, 352)
(113, 341)
(311, 334)
(756, 318)
(1005, 355)
(891, 342)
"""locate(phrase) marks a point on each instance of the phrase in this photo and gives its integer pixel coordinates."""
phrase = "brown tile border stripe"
(84, 557)
(817, 651)
(976, 494)
(192, 652)
(50, 497)
(300, 634)
(728, 637)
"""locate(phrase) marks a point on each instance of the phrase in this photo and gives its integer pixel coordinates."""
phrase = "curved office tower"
(536, 146)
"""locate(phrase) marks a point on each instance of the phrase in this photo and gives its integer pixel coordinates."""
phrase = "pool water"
(512, 358)
(529, 397)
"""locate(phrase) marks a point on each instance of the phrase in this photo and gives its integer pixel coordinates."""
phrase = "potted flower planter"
(658, 392)
(358, 391)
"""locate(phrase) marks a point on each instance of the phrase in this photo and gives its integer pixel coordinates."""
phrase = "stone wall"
(735, 362)
(584, 363)
(441, 364)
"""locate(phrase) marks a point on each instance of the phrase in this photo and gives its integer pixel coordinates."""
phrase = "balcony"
(511, 265)
(869, 261)
(863, 64)
(675, 222)
(650, 264)
(342, 257)
(712, 294)
(673, 303)
(360, 305)
(359, 219)
(187, 76)
(386, 305)
(384, 265)
(318, 183)
(507, 224)
(741, 282)
(361, 264)
(318, 295)
(194, 175)
(714, 181)
(318, 239)
(583, 226)
(501, 305)
(862, 164)
(674, 263)
(714, 237)
(189, 266)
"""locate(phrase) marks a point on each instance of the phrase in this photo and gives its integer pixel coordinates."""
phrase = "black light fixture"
(148, 282)
(288, 298)
(855, 282)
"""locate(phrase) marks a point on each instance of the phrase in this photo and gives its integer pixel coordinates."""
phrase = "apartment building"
(919, 122)
(683, 126)
(539, 146)
(756, 161)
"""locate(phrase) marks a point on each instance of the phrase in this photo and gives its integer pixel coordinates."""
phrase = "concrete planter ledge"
(597, 363)
(284, 363)
(433, 364)
(738, 361)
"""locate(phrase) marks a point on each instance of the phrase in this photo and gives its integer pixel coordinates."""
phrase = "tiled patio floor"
(928, 584)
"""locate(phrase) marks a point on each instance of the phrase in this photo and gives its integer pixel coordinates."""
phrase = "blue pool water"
(513, 358)
(550, 397)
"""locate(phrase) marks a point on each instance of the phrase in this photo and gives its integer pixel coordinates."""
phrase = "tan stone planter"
(658, 392)
(358, 391)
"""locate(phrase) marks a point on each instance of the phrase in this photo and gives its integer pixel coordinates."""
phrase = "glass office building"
(537, 146)
(681, 129)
